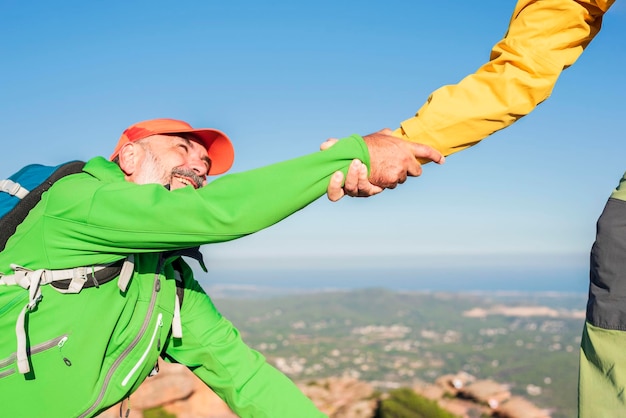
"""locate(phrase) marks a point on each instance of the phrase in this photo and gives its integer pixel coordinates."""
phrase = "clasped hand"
(392, 161)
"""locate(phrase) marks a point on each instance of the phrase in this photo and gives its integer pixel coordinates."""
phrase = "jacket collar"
(104, 170)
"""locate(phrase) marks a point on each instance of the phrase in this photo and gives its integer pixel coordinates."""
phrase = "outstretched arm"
(544, 38)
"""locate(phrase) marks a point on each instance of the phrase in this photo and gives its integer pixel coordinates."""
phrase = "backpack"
(23, 190)
(18, 195)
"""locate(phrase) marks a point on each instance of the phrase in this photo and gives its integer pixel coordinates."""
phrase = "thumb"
(335, 189)
(328, 143)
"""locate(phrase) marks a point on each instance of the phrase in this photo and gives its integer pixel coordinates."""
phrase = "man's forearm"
(272, 193)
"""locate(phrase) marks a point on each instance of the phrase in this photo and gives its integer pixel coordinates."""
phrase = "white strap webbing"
(126, 273)
(25, 278)
(21, 354)
(13, 188)
(177, 326)
(34, 295)
(32, 280)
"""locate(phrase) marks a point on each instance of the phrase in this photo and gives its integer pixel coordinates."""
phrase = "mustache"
(198, 180)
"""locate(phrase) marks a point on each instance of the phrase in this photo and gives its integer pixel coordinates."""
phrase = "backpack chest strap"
(13, 188)
(76, 278)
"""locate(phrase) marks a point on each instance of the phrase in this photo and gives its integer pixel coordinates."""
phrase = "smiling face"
(171, 160)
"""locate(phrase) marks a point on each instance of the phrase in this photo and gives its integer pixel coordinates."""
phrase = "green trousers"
(602, 374)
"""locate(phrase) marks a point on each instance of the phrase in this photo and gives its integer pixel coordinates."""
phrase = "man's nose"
(199, 167)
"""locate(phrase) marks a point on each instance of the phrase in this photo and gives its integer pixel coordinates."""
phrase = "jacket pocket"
(10, 362)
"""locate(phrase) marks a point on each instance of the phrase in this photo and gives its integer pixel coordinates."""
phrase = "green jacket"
(88, 351)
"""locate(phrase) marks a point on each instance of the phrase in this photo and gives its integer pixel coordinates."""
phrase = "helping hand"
(356, 185)
(392, 160)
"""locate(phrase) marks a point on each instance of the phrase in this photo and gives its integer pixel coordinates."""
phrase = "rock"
(342, 397)
(173, 382)
(517, 407)
(178, 391)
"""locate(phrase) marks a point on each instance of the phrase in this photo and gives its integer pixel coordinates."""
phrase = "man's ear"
(128, 158)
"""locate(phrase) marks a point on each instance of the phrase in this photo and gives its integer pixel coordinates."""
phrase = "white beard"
(152, 170)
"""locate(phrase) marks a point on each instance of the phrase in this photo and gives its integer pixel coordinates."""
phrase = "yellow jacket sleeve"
(544, 38)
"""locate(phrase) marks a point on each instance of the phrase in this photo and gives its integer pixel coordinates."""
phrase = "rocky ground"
(178, 391)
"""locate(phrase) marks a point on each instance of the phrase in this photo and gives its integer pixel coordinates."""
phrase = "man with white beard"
(77, 354)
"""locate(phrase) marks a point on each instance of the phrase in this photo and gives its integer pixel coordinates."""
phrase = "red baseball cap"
(217, 144)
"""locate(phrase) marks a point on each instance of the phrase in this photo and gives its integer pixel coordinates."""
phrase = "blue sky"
(280, 78)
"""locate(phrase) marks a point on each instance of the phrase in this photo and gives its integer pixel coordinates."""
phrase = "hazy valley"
(526, 341)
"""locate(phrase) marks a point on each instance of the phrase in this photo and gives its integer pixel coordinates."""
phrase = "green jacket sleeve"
(212, 347)
(96, 220)
(544, 38)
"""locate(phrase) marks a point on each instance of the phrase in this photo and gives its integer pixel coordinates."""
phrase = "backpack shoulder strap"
(10, 221)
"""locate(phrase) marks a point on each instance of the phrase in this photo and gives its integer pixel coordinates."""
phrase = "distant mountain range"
(562, 277)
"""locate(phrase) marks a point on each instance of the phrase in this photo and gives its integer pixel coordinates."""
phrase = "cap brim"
(218, 146)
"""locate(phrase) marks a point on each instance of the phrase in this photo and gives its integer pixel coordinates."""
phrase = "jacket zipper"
(155, 289)
(158, 325)
(33, 350)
